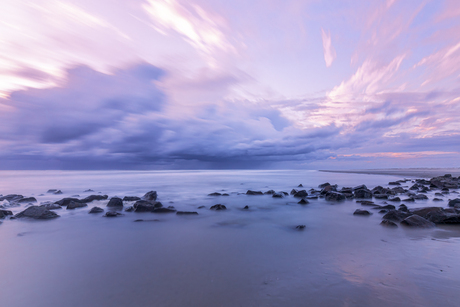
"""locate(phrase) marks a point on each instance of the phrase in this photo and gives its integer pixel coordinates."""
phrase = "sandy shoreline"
(411, 172)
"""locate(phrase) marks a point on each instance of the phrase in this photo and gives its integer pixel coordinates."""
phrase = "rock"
(146, 206)
(303, 202)
(362, 193)
(215, 194)
(300, 186)
(454, 202)
(37, 212)
(360, 187)
(393, 183)
(51, 191)
(301, 194)
(293, 191)
(131, 198)
(269, 192)
(225, 194)
(11, 197)
(129, 209)
(249, 192)
(112, 214)
(50, 206)
(91, 198)
(383, 211)
(73, 205)
(394, 199)
(387, 207)
(246, 207)
(58, 192)
(403, 207)
(201, 207)
(89, 190)
(187, 213)
(366, 203)
(312, 197)
(417, 221)
(115, 202)
(388, 223)
(438, 215)
(300, 227)
(65, 201)
(396, 215)
(420, 196)
(278, 195)
(218, 207)
(150, 196)
(6, 212)
(361, 212)
(322, 186)
(96, 210)
(27, 200)
(164, 210)
(438, 199)
(334, 196)
(381, 196)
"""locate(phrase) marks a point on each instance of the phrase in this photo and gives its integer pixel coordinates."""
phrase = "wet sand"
(409, 172)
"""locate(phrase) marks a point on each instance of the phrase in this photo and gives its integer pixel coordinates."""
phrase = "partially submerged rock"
(250, 192)
(396, 215)
(417, 221)
(301, 194)
(334, 196)
(146, 206)
(218, 207)
(112, 214)
(150, 196)
(115, 202)
(303, 202)
(37, 212)
(91, 198)
(96, 210)
(215, 194)
(300, 227)
(361, 212)
(131, 198)
(73, 205)
(27, 200)
(388, 223)
(164, 210)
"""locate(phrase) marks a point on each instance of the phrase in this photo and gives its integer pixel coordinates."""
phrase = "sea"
(233, 257)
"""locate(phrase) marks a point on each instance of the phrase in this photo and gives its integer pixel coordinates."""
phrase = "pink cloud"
(329, 51)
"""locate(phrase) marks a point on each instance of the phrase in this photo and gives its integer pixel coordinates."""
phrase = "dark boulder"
(215, 194)
(303, 202)
(300, 186)
(403, 207)
(454, 202)
(96, 210)
(112, 214)
(150, 196)
(293, 191)
(438, 199)
(250, 192)
(27, 200)
(115, 202)
(65, 201)
(362, 193)
(131, 198)
(6, 212)
(417, 221)
(381, 196)
(51, 191)
(146, 206)
(360, 187)
(301, 194)
(394, 199)
(361, 212)
(50, 206)
(278, 195)
(396, 215)
(366, 203)
(187, 213)
(91, 198)
(269, 192)
(73, 205)
(218, 207)
(246, 207)
(164, 210)
(334, 196)
(323, 185)
(388, 223)
(129, 209)
(420, 196)
(11, 197)
(37, 212)
(386, 207)
(410, 199)
(300, 227)
(398, 190)
(393, 183)
(58, 192)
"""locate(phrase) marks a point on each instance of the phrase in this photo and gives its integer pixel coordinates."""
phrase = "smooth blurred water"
(235, 257)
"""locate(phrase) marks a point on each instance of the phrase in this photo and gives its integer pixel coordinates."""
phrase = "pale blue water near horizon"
(236, 257)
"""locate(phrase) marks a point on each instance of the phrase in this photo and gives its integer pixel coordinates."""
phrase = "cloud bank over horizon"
(195, 85)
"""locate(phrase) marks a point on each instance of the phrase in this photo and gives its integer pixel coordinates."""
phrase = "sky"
(206, 84)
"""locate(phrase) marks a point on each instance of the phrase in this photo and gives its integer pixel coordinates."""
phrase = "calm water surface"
(229, 258)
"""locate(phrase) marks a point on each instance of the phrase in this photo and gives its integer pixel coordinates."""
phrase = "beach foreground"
(232, 257)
